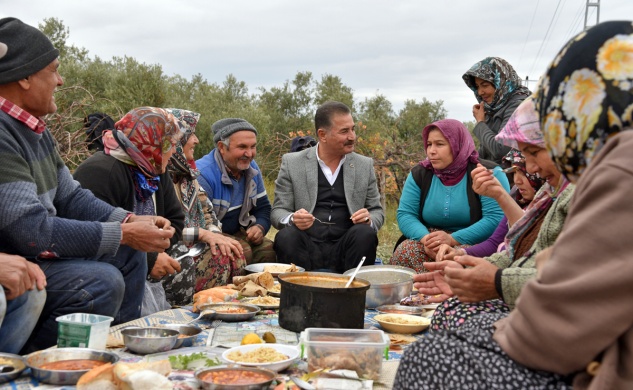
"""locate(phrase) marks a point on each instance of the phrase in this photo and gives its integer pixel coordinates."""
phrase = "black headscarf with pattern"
(586, 95)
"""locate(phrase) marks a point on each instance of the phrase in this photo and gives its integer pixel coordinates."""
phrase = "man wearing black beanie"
(91, 253)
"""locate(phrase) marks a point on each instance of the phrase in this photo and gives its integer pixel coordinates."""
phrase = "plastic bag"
(154, 299)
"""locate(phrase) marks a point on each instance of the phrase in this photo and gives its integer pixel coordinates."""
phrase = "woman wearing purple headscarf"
(438, 205)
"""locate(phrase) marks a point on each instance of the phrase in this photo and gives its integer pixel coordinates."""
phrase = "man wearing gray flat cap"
(235, 186)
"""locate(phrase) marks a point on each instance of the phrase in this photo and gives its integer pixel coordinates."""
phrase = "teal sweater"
(42, 208)
(446, 208)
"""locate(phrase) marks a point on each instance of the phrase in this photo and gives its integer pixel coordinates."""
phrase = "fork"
(323, 222)
(213, 326)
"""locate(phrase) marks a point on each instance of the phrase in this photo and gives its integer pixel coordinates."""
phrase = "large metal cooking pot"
(320, 300)
(389, 283)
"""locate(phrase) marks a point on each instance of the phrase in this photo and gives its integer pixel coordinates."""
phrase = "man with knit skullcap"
(92, 254)
(235, 186)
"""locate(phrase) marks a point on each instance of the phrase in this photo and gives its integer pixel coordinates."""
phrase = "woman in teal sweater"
(438, 205)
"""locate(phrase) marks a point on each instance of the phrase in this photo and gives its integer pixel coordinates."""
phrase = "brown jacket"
(579, 309)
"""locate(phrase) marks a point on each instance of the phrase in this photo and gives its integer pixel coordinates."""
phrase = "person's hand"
(164, 265)
(255, 234)
(433, 283)
(227, 246)
(434, 239)
(486, 184)
(447, 252)
(479, 112)
(147, 233)
(19, 275)
(361, 216)
(473, 284)
(302, 219)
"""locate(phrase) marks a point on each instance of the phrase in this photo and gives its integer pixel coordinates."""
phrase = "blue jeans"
(110, 286)
(20, 317)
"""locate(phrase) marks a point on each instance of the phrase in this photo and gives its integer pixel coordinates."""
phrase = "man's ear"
(321, 134)
(25, 83)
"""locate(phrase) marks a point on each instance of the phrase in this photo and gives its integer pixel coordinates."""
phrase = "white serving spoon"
(351, 278)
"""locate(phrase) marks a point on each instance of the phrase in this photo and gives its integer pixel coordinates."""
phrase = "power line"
(575, 24)
(545, 37)
(529, 31)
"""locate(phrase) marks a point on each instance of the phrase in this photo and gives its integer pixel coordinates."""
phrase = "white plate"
(261, 305)
(289, 350)
(275, 293)
(259, 267)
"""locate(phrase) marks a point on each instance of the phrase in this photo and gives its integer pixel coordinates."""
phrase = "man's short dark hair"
(325, 112)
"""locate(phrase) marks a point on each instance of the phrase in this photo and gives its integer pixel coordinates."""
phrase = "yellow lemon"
(251, 338)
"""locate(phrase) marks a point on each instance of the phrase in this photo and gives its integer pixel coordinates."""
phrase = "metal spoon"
(355, 272)
(193, 251)
(4, 368)
(202, 314)
(506, 170)
(301, 383)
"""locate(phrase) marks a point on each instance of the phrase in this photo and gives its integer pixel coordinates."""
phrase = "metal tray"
(252, 310)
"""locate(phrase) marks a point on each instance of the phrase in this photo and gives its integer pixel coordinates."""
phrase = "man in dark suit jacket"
(327, 206)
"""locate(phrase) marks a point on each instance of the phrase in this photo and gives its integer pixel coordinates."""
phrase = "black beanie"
(24, 50)
(223, 128)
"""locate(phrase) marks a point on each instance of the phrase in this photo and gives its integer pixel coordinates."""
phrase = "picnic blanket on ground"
(224, 334)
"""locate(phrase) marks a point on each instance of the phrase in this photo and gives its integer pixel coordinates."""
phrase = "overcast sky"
(410, 49)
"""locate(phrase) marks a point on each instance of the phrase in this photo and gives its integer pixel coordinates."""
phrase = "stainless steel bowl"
(251, 311)
(35, 361)
(400, 309)
(149, 340)
(187, 334)
(389, 283)
(214, 386)
(15, 361)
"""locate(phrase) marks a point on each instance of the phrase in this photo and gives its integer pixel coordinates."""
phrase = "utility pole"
(592, 3)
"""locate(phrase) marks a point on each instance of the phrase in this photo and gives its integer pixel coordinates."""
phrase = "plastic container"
(83, 330)
(362, 349)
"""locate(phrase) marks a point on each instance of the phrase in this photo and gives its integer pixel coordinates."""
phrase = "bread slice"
(99, 378)
(123, 371)
(145, 380)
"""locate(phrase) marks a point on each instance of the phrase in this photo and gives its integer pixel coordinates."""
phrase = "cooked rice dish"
(403, 321)
(259, 355)
(270, 301)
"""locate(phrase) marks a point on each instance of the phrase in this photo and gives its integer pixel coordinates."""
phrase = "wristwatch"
(291, 221)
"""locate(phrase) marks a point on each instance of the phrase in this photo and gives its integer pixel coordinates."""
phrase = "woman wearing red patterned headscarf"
(131, 173)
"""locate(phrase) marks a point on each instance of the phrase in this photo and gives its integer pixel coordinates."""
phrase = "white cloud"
(402, 49)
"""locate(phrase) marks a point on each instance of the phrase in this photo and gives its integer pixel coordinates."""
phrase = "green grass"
(387, 235)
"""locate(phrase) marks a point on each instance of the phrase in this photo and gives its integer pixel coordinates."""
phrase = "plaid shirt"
(33, 123)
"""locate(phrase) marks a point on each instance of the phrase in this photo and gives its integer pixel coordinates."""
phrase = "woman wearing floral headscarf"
(224, 257)
(131, 173)
(499, 92)
(572, 325)
(438, 205)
